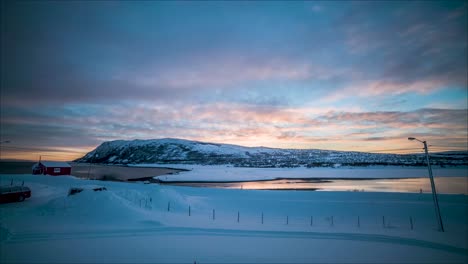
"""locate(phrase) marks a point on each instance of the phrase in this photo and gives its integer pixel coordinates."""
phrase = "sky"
(358, 76)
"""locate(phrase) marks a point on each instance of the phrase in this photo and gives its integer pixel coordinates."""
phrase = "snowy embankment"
(220, 173)
(137, 223)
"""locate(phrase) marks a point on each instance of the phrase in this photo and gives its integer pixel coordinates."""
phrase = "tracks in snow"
(27, 237)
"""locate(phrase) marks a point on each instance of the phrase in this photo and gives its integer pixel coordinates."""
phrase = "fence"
(188, 213)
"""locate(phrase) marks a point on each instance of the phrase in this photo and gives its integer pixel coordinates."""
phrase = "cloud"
(250, 125)
(407, 44)
(316, 8)
(385, 89)
(425, 117)
(91, 57)
(223, 71)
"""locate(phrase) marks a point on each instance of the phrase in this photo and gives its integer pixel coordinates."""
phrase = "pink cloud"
(252, 125)
(384, 88)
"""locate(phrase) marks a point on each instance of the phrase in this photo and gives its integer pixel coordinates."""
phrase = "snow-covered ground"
(136, 223)
(228, 173)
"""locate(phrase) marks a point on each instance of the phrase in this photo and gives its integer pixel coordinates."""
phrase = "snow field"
(54, 227)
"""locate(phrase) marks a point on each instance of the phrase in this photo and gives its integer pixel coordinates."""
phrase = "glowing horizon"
(70, 154)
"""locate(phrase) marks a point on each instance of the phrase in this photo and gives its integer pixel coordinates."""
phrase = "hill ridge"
(175, 150)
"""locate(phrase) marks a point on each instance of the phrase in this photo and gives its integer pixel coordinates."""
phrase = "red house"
(53, 168)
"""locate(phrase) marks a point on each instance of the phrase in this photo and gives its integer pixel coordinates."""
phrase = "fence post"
(262, 218)
(411, 222)
(287, 219)
(168, 206)
(383, 221)
(311, 220)
(189, 211)
(213, 214)
(238, 216)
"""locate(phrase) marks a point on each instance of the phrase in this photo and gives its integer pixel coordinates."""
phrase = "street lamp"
(434, 193)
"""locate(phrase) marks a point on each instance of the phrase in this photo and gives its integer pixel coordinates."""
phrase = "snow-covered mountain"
(169, 150)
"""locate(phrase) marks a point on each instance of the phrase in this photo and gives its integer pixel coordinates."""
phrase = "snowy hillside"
(193, 152)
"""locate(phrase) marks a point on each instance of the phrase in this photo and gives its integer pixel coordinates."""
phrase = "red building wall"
(54, 171)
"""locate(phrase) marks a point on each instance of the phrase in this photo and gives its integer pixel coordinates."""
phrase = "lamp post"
(434, 193)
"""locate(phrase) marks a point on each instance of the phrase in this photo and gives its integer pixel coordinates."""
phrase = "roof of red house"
(60, 164)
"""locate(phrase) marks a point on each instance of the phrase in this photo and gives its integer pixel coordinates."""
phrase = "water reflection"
(447, 185)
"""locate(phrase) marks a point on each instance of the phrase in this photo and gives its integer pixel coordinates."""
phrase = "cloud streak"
(241, 124)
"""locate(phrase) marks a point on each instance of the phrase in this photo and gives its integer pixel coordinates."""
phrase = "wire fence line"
(189, 213)
(295, 220)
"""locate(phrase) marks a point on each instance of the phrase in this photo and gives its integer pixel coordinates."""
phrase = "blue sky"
(317, 74)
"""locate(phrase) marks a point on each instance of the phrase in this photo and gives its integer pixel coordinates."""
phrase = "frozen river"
(369, 179)
(446, 185)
